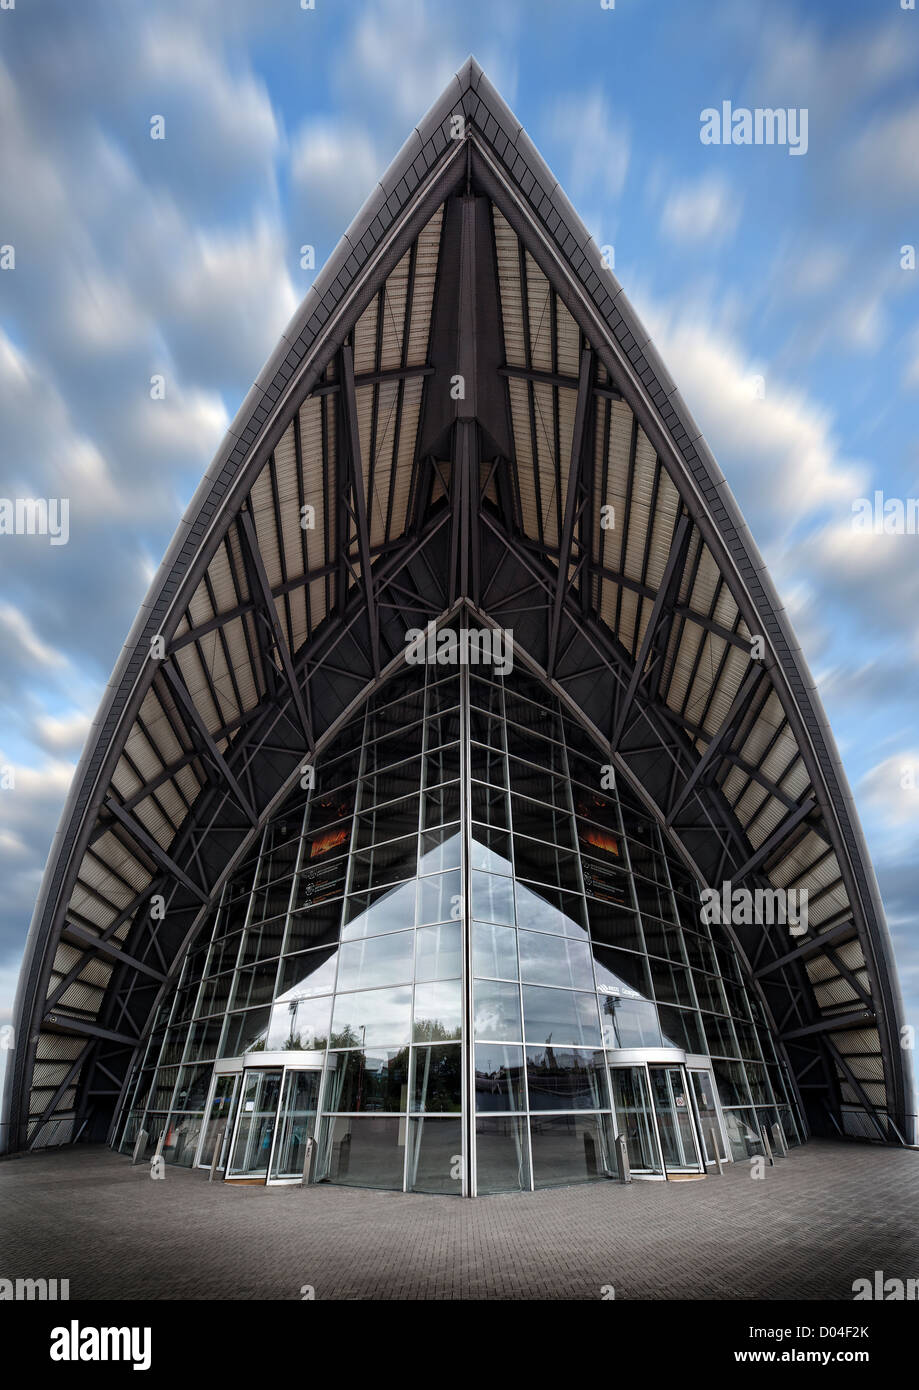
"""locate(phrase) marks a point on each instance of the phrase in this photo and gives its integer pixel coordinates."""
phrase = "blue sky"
(181, 257)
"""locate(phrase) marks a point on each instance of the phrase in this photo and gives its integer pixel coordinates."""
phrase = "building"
(460, 684)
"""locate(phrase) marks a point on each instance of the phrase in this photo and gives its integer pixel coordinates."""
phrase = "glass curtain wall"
(464, 919)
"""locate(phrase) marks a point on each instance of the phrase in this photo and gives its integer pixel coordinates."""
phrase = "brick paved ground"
(828, 1214)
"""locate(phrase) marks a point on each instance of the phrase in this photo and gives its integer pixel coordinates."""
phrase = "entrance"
(260, 1120)
(673, 1110)
(703, 1094)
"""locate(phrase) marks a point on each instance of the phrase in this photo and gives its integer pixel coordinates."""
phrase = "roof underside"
(362, 492)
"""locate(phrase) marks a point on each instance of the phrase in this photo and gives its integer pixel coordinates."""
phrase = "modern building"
(460, 684)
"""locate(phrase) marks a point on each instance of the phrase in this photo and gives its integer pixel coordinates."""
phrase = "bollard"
(140, 1143)
(308, 1150)
(218, 1145)
(766, 1145)
(778, 1139)
(625, 1171)
(716, 1150)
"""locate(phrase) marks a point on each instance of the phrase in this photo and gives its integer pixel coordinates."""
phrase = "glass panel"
(245, 1033)
(299, 1025)
(377, 1016)
(362, 1081)
(633, 1113)
(571, 1149)
(310, 973)
(363, 1151)
(550, 910)
(492, 898)
(560, 1016)
(743, 1137)
(441, 849)
(502, 1154)
(553, 960)
(377, 960)
(437, 1083)
(499, 1078)
(674, 1118)
(374, 914)
(296, 1122)
(629, 1022)
(438, 1011)
(181, 1140)
(497, 1011)
(439, 952)
(494, 951)
(440, 898)
(566, 1079)
(255, 1126)
(220, 1120)
(435, 1156)
(703, 1091)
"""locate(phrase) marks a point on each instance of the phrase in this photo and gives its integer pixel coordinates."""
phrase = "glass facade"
(440, 962)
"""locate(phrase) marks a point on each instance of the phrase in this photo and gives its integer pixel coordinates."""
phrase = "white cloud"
(882, 160)
(333, 170)
(16, 630)
(892, 788)
(597, 144)
(785, 461)
(706, 210)
(62, 732)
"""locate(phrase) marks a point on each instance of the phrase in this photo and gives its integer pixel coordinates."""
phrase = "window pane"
(499, 1078)
(437, 1084)
(571, 1149)
(497, 1011)
(377, 960)
(370, 914)
(554, 960)
(492, 898)
(502, 1154)
(310, 973)
(299, 1026)
(549, 910)
(566, 1079)
(439, 898)
(439, 952)
(438, 1011)
(376, 1016)
(629, 1022)
(435, 1156)
(494, 951)
(560, 1016)
(363, 1151)
(360, 1081)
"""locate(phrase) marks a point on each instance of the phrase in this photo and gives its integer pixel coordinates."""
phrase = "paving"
(828, 1214)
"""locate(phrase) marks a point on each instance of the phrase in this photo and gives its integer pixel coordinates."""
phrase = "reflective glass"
(554, 960)
(566, 1079)
(363, 1151)
(497, 1011)
(499, 1078)
(435, 1156)
(439, 952)
(494, 951)
(372, 1017)
(299, 1026)
(571, 1149)
(437, 1079)
(560, 1016)
(502, 1154)
(369, 914)
(367, 1081)
(492, 898)
(438, 1011)
(376, 960)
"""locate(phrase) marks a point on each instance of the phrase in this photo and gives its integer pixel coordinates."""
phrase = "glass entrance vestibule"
(667, 1108)
(265, 1122)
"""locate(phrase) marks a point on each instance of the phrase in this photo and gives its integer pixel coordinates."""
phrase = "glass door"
(634, 1118)
(703, 1094)
(674, 1119)
(255, 1123)
(296, 1123)
(220, 1120)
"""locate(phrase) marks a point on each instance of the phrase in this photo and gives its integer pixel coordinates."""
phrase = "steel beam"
(356, 481)
(779, 834)
(154, 849)
(571, 504)
(194, 720)
(723, 735)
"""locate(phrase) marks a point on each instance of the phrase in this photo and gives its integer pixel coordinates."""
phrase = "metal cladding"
(465, 410)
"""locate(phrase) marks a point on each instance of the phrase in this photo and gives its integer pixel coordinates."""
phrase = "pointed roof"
(462, 393)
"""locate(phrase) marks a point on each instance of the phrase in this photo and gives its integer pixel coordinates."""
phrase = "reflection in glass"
(633, 1113)
(255, 1125)
(560, 1016)
(296, 1121)
(554, 960)
(372, 1017)
(438, 1011)
(362, 1151)
(437, 1084)
(499, 1078)
(299, 1025)
(367, 1081)
(566, 1079)
(571, 1149)
(492, 898)
(502, 1154)
(377, 960)
(494, 951)
(370, 914)
(439, 952)
(497, 1011)
(435, 1156)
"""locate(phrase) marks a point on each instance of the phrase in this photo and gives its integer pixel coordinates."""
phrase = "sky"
(778, 288)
